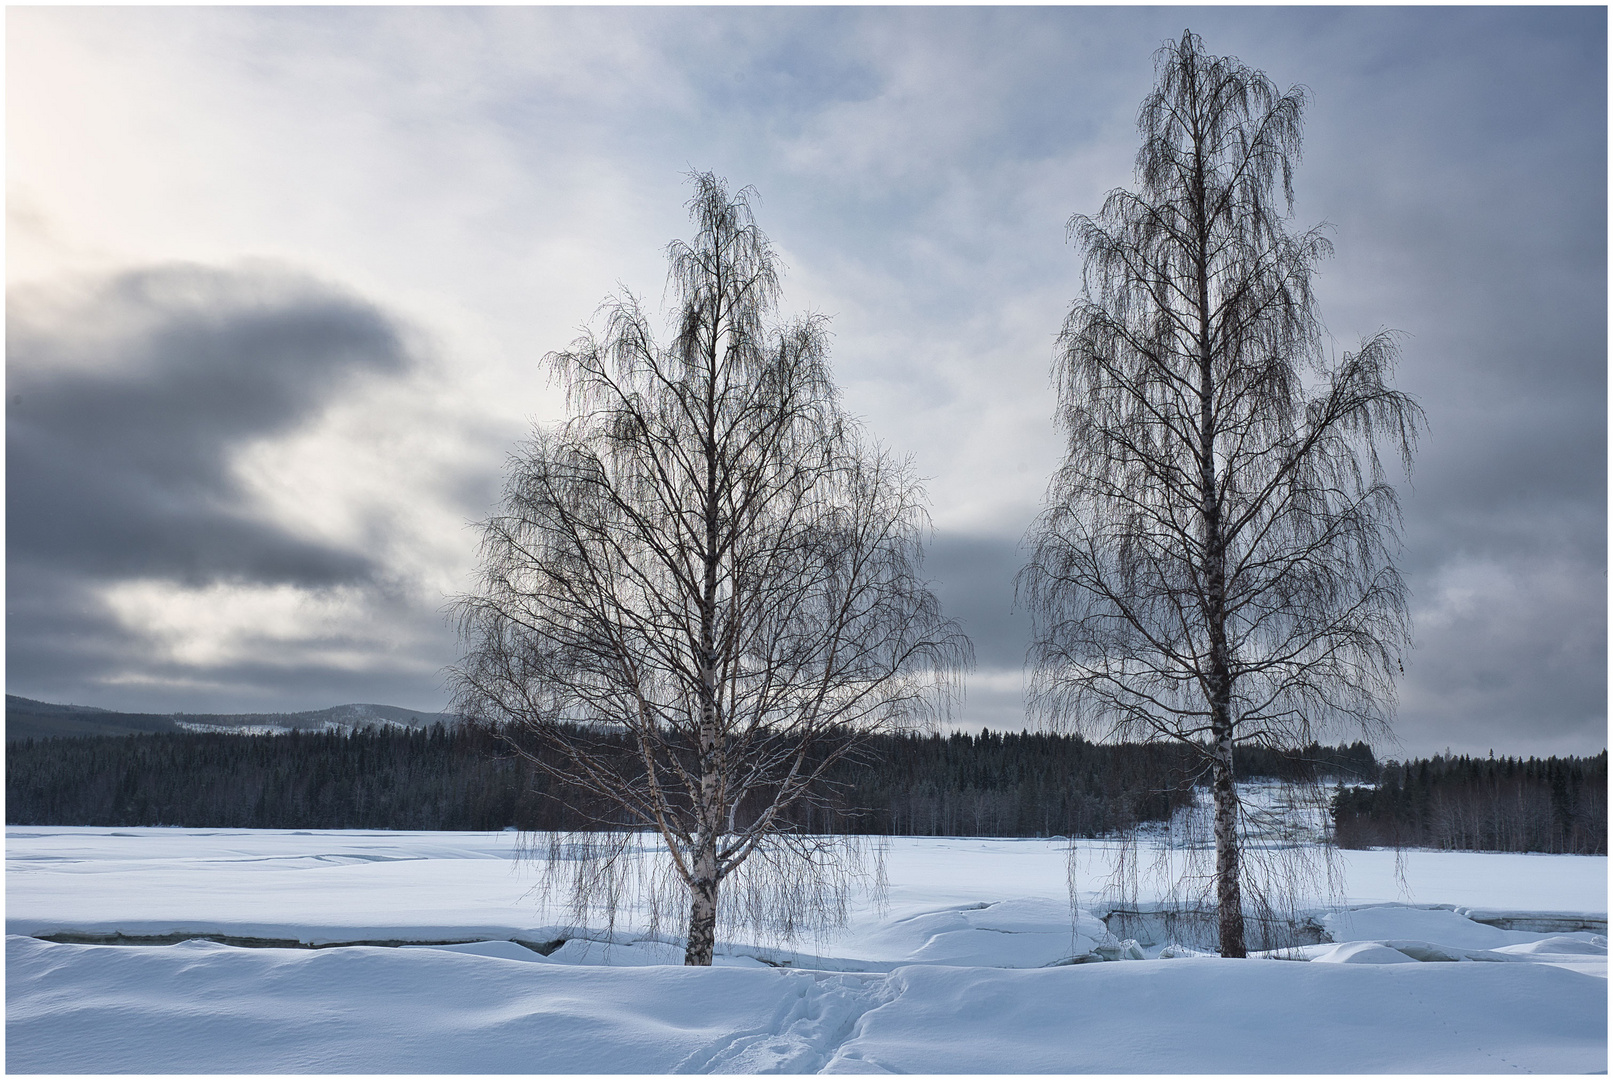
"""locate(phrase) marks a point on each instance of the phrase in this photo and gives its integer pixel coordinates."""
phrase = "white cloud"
(221, 625)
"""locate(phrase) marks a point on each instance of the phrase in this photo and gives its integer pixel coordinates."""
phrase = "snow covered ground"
(967, 968)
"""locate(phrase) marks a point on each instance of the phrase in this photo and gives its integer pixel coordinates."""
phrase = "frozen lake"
(967, 968)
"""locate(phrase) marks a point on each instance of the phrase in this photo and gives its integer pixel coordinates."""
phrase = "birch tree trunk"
(702, 904)
(1228, 877)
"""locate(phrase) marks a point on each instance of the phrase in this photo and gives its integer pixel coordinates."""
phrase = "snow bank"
(1444, 925)
(1357, 952)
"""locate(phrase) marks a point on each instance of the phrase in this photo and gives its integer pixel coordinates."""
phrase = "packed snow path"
(951, 977)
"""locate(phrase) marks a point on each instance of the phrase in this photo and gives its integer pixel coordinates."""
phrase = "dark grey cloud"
(974, 578)
(58, 632)
(1511, 655)
(127, 397)
(1465, 167)
(973, 575)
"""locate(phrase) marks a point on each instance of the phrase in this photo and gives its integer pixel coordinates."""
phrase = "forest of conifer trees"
(991, 784)
(1466, 803)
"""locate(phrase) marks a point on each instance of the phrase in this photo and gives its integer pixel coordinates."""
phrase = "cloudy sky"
(278, 281)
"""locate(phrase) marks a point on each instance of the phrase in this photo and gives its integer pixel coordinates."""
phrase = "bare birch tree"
(714, 566)
(1215, 561)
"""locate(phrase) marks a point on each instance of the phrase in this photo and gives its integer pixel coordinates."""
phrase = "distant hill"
(29, 719)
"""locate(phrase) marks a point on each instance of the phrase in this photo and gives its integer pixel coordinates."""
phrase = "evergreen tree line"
(1476, 804)
(991, 784)
(1033, 784)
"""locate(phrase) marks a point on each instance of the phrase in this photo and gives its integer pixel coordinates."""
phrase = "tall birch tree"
(713, 565)
(1215, 563)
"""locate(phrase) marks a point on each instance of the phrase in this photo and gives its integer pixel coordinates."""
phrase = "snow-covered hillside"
(341, 719)
(968, 968)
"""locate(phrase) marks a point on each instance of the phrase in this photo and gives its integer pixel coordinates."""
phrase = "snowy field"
(973, 965)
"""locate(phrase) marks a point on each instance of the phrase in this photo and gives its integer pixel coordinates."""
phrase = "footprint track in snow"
(808, 1031)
